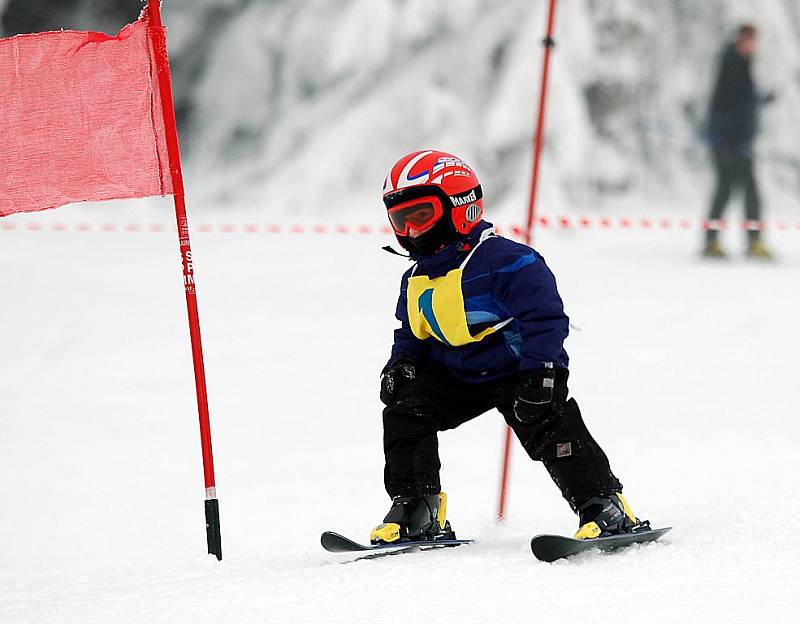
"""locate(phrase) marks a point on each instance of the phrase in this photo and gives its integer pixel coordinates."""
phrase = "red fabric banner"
(80, 119)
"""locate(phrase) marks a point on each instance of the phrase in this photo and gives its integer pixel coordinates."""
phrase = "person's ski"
(335, 543)
(553, 547)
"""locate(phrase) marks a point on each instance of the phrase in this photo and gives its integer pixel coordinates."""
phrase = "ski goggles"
(416, 216)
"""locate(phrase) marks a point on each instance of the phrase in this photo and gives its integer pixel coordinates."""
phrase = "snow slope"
(686, 373)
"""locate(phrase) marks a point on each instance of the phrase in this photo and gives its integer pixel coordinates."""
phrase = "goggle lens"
(419, 215)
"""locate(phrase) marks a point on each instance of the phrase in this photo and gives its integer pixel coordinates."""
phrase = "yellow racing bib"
(436, 308)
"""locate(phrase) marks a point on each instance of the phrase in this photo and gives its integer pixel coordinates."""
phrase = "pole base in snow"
(213, 536)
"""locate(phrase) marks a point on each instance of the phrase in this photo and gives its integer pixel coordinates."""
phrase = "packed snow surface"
(686, 372)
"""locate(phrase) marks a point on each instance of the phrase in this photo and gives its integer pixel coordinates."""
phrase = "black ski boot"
(414, 518)
(602, 516)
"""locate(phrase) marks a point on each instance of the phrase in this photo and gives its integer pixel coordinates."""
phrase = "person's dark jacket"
(733, 119)
(505, 285)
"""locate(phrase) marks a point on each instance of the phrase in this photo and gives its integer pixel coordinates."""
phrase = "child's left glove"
(533, 395)
(395, 377)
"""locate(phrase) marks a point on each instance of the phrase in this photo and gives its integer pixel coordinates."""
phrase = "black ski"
(335, 543)
(553, 547)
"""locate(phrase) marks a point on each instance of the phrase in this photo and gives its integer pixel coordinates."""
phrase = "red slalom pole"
(159, 41)
(549, 43)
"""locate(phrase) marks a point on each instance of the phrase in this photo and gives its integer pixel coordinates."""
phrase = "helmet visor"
(415, 217)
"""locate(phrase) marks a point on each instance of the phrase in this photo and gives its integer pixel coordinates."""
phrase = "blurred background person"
(733, 125)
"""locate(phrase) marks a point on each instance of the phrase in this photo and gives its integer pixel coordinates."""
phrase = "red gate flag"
(81, 119)
(86, 117)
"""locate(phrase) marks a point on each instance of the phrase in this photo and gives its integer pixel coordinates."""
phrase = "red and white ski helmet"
(432, 198)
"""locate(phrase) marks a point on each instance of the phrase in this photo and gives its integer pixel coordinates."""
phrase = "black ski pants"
(734, 171)
(437, 401)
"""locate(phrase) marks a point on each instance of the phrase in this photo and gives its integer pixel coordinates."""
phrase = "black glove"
(533, 395)
(396, 375)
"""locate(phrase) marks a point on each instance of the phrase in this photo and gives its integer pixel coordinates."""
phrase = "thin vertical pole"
(548, 44)
(159, 40)
(501, 505)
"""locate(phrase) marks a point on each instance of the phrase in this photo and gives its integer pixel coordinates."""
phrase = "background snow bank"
(334, 91)
(298, 107)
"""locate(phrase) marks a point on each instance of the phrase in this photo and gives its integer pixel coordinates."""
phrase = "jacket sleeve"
(525, 286)
(406, 344)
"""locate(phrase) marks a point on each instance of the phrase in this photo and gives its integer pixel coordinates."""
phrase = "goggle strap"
(392, 250)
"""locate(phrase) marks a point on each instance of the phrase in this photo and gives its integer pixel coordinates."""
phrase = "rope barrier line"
(544, 222)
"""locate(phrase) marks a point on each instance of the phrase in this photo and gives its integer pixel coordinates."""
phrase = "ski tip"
(550, 548)
(336, 543)
(660, 531)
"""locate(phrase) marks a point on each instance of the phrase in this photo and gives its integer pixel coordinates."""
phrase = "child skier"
(482, 327)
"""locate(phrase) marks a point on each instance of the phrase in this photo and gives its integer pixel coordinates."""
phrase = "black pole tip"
(213, 536)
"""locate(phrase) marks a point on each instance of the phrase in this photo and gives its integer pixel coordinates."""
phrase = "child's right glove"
(533, 395)
(395, 376)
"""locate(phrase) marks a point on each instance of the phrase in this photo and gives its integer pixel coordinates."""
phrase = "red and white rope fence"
(543, 222)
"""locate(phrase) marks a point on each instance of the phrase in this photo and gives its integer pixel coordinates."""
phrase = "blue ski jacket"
(485, 307)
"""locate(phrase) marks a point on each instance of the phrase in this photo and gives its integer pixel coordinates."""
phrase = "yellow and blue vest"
(485, 307)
